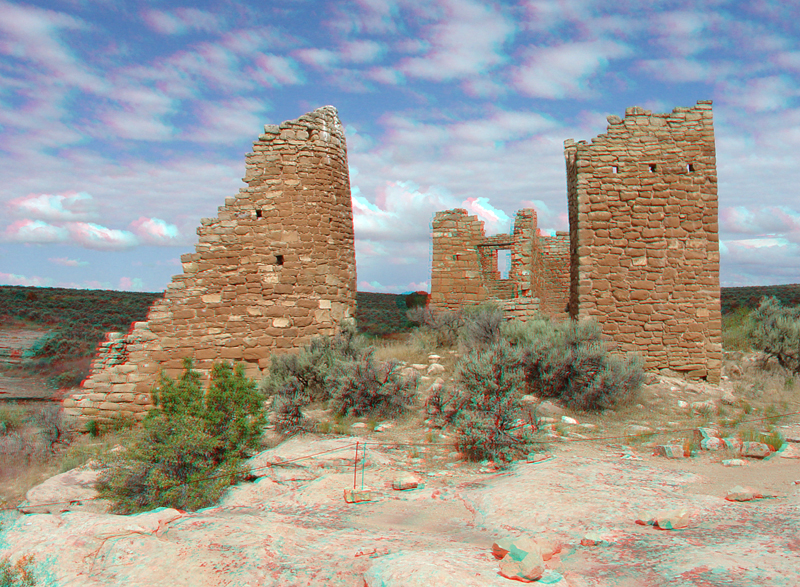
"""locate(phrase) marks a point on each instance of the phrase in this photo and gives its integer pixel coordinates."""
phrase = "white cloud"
(227, 121)
(321, 58)
(95, 236)
(361, 51)
(14, 279)
(277, 70)
(467, 40)
(35, 231)
(564, 71)
(182, 20)
(69, 206)
(764, 94)
(67, 262)
(154, 231)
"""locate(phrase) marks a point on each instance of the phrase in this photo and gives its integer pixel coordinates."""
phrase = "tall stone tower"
(274, 268)
(644, 246)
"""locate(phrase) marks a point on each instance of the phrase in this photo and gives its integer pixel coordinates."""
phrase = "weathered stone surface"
(757, 450)
(671, 451)
(267, 236)
(660, 199)
(739, 493)
(71, 491)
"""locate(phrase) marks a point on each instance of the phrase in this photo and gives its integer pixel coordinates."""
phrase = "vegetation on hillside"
(78, 321)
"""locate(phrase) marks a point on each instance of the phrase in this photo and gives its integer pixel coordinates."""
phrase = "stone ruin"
(273, 269)
(643, 246)
(465, 266)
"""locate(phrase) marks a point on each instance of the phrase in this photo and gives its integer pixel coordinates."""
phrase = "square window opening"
(258, 213)
(615, 169)
(279, 259)
(689, 167)
(652, 167)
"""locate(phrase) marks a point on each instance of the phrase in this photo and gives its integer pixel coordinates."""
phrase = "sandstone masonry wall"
(464, 269)
(273, 269)
(644, 237)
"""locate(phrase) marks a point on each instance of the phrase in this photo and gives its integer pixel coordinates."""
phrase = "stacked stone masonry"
(644, 248)
(642, 254)
(465, 268)
(273, 269)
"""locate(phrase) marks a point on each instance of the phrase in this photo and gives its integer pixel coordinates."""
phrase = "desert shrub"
(12, 418)
(483, 405)
(481, 326)
(443, 325)
(735, 330)
(360, 387)
(191, 446)
(775, 330)
(303, 374)
(417, 299)
(20, 574)
(288, 410)
(567, 360)
(53, 426)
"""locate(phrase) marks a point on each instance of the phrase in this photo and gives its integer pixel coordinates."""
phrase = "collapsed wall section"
(644, 250)
(465, 271)
(273, 269)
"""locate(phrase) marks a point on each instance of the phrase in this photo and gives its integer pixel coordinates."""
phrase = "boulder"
(665, 520)
(671, 451)
(756, 450)
(529, 567)
(550, 408)
(739, 493)
(435, 369)
(72, 491)
(405, 481)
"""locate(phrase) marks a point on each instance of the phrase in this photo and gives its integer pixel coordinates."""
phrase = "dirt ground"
(594, 473)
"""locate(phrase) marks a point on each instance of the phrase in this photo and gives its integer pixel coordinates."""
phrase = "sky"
(122, 123)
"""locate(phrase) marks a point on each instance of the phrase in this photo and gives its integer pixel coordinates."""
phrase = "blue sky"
(123, 123)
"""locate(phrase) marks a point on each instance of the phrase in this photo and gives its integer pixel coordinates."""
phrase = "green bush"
(191, 446)
(443, 325)
(775, 330)
(481, 326)
(302, 375)
(486, 401)
(360, 387)
(20, 574)
(12, 418)
(567, 360)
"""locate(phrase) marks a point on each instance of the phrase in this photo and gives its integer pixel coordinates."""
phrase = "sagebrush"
(775, 330)
(340, 370)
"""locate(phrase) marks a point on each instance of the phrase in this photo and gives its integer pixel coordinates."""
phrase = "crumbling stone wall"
(464, 266)
(274, 268)
(644, 250)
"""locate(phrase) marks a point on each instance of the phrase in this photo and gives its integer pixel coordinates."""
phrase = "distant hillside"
(733, 298)
(79, 319)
